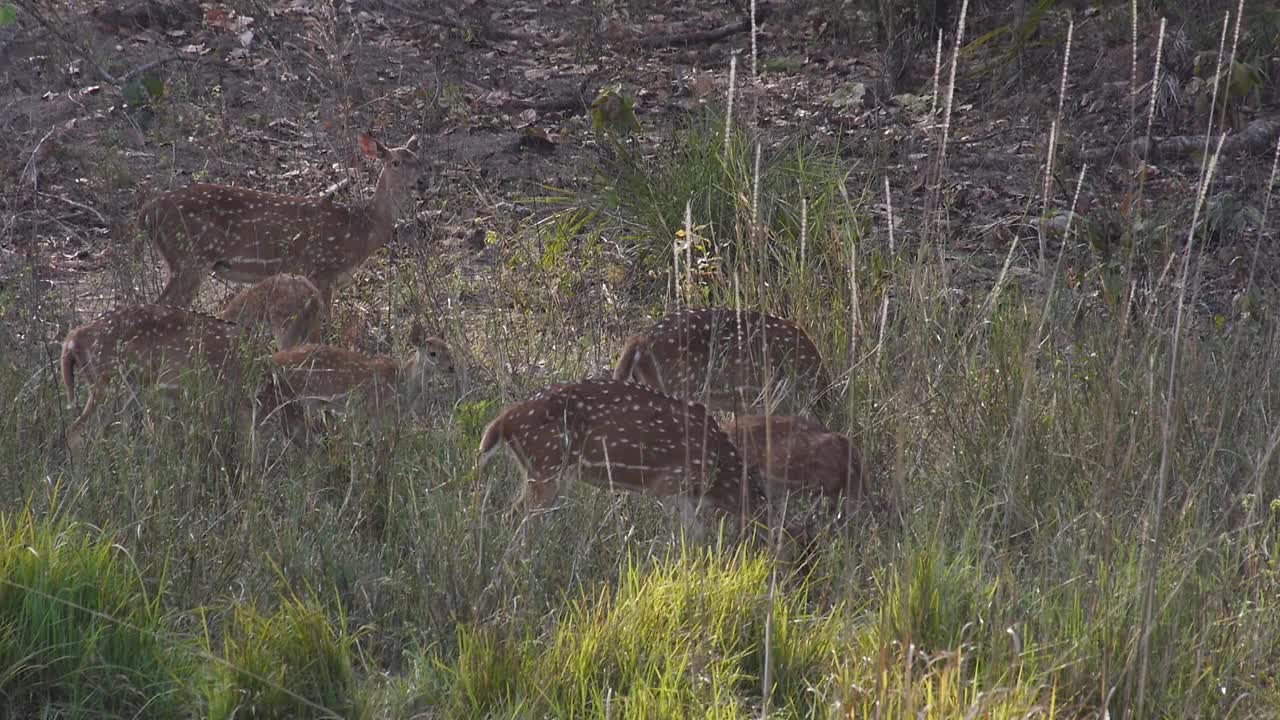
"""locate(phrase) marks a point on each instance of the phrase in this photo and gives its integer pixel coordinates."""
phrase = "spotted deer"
(244, 235)
(148, 345)
(726, 359)
(615, 434)
(797, 453)
(312, 376)
(288, 306)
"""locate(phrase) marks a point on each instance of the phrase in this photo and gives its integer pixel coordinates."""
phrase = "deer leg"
(301, 426)
(90, 419)
(246, 432)
(75, 433)
(326, 288)
(273, 401)
(689, 520)
(251, 436)
(182, 287)
(540, 492)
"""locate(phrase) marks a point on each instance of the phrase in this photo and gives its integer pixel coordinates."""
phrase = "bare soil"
(271, 94)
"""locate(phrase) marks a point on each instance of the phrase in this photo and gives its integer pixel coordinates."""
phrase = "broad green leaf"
(154, 86)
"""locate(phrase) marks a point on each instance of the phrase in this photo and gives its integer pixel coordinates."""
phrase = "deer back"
(628, 436)
(245, 235)
(153, 342)
(720, 353)
(289, 306)
(327, 372)
(799, 453)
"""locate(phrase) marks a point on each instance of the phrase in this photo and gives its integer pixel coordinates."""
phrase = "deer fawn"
(247, 235)
(724, 358)
(619, 434)
(150, 345)
(289, 306)
(315, 375)
(797, 453)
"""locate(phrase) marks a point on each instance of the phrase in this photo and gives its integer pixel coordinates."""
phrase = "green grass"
(1018, 424)
(290, 664)
(688, 636)
(80, 626)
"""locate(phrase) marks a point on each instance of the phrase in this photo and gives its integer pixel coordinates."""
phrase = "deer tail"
(493, 439)
(72, 355)
(631, 353)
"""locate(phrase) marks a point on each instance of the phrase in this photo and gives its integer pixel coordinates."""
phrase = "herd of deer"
(649, 428)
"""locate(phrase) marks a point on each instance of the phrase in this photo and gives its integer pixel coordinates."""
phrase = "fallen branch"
(1258, 138)
(571, 101)
(695, 37)
(101, 218)
(699, 37)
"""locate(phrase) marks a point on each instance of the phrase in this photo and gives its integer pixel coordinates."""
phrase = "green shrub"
(290, 664)
(686, 638)
(79, 630)
(714, 176)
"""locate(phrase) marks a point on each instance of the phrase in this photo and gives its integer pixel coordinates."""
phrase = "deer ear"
(371, 148)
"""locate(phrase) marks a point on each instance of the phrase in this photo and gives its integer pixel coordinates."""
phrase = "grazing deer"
(615, 434)
(149, 345)
(247, 235)
(316, 375)
(801, 454)
(287, 305)
(725, 358)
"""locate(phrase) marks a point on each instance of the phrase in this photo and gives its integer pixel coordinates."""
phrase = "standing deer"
(725, 358)
(246, 235)
(310, 376)
(289, 306)
(148, 345)
(615, 434)
(801, 454)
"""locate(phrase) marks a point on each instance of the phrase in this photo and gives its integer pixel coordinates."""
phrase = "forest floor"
(1065, 380)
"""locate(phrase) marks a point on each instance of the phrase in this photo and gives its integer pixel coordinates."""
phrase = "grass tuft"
(79, 628)
(290, 664)
(683, 638)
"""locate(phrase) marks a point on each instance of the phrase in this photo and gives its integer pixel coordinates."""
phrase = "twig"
(145, 67)
(82, 206)
(698, 37)
(1256, 138)
(32, 164)
(334, 188)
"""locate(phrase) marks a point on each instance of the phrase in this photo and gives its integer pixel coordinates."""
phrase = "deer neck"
(382, 212)
(411, 373)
